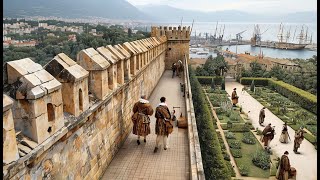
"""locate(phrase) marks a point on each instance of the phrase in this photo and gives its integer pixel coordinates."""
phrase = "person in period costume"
(268, 135)
(234, 97)
(141, 121)
(174, 68)
(284, 167)
(262, 115)
(179, 68)
(298, 138)
(162, 124)
(284, 137)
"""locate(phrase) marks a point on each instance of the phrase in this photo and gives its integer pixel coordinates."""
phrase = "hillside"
(111, 9)
(171, 14)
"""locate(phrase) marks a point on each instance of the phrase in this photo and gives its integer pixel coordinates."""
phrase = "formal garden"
(286, 109)
(250, 157)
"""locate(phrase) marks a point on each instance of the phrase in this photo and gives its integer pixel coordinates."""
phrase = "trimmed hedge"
(257, 81)
(207, 80)
(299, 96)
(214, 164)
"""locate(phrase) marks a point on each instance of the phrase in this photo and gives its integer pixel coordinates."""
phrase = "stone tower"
(177, 42)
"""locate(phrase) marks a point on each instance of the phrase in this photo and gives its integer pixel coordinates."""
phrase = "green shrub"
(252, 86)
(257, 81)
(230, 168)
(244, 170)
(226, 156)
(230, 135)
(236, 153)
(206, 80)
(234, 144)
(261, 159)
(213, 163)
(299, 96)
(223, 85)
(248, 138)
(234, 116)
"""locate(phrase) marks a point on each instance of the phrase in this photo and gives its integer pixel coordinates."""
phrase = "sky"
(252, 6)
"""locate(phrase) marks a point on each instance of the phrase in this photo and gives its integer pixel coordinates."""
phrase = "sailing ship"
(284, 39)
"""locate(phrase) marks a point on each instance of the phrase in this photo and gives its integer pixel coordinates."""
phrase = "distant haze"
(202, 10)
(250, 6)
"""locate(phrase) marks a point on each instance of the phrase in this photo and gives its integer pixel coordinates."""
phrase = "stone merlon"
(65, 69)
(34, 82)
(90, 59)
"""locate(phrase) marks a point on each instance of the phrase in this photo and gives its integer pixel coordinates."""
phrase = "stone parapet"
(196, 166)
(10, 149)
(82, 140)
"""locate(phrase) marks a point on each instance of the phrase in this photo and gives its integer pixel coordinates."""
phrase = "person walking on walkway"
(284, 134)
(262, 115)
(141, 121)
(298, 138)
(174, 68)
(234, 97)
(284, 167)
(268, 135)
(163, 116)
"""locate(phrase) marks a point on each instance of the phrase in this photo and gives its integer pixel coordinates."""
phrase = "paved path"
(139, 162)
(306, 162)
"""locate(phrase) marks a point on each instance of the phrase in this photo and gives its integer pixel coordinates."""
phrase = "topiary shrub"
(261, 159)
(236, 153)
(213, 87)
(248, 138)
(235, 144)
(226, 156)
(223, 85)
(244, 170)
(252, 86)
(230, 135)
(234, 116)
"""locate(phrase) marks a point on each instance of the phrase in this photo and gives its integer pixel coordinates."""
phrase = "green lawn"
(247, 151)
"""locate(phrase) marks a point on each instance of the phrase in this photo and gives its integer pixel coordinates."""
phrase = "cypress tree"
(223, 85)
(252, 86)
(213, 85)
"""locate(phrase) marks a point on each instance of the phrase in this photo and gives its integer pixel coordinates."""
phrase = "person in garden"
(262, 115)
(284, 167)
(284, 134)
(141, 121)
(268, 135)
(234, 97)
(163, 121)
(298, 138)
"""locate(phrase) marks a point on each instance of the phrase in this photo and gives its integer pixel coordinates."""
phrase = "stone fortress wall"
(178, 42)
(68, 119)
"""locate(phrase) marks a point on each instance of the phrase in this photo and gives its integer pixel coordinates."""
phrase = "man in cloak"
(234, 97)
(163, 115)
(268, 135)
(262, 116)
(284, 167)
(141, 121)
(298, 138)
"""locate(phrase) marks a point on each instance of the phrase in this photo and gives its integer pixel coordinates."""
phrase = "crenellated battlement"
(68, 118)
(50, 103)
(172, 33)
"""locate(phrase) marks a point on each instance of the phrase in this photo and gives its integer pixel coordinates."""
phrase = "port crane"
(238, 35)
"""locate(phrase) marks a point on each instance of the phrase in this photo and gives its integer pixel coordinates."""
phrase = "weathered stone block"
(43, 76)
(51, 86)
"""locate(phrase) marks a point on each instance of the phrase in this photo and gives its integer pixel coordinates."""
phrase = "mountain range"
(122, 10)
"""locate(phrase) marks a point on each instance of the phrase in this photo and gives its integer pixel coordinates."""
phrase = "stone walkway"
(139, 162)
(306, 162)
